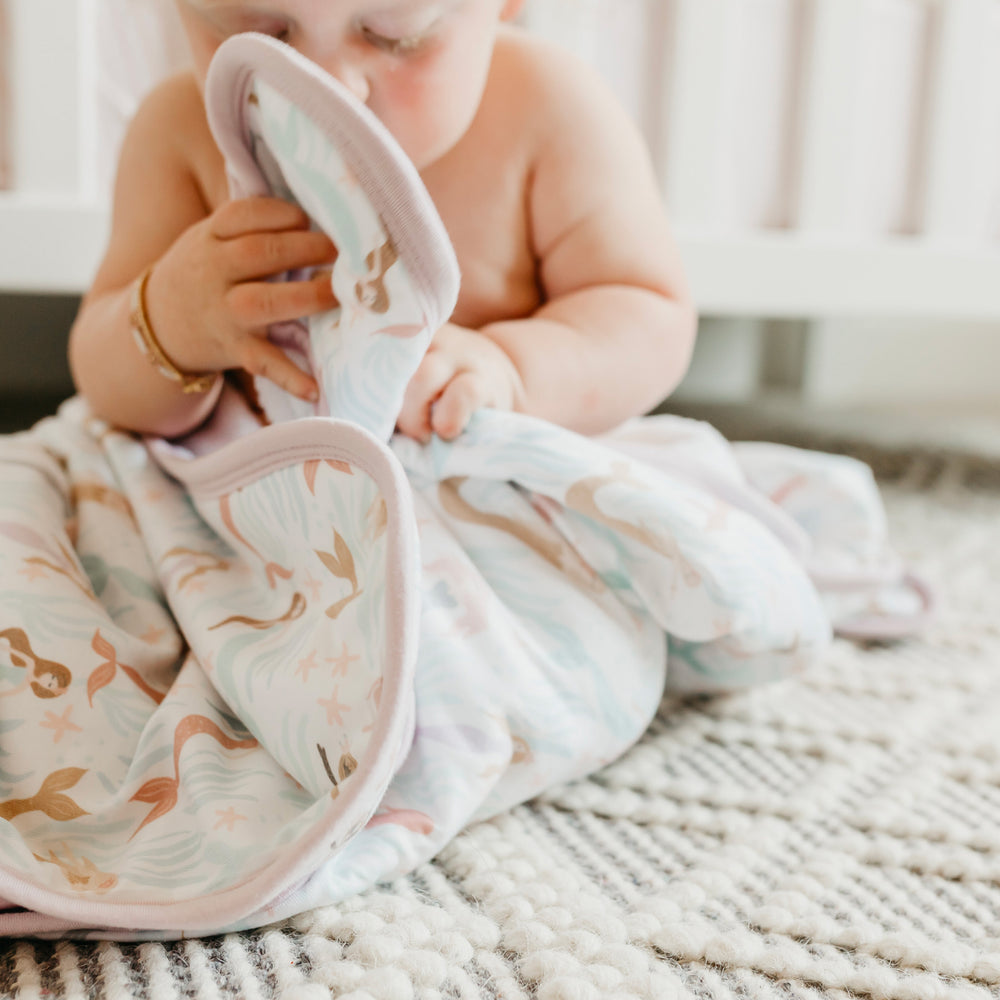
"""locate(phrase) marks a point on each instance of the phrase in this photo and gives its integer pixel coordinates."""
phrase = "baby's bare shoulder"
(160, 188)
(596, 213)
(171, 123)
(173, 109)
(170, 128)
(555, 94)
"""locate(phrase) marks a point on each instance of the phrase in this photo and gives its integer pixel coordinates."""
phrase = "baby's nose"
(350, 73)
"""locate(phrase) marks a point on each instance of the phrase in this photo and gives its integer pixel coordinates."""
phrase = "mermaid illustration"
(46, 678)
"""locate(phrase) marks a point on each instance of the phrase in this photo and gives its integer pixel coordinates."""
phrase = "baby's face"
(419, 65)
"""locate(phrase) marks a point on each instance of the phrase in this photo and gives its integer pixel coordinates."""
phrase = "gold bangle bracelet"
(147, 343)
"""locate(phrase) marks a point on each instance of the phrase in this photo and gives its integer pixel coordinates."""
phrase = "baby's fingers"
(261, 303)
(260, 357)
(261, 255)
(428, 382)
(451, 413)
(254, 215)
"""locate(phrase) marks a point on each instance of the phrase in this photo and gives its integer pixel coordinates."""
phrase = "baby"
(573, 305)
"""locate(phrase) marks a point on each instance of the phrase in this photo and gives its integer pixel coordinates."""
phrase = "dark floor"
(18, 413)
(34, 374)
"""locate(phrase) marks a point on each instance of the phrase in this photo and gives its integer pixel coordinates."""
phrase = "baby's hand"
(462, 371)
(208, 299)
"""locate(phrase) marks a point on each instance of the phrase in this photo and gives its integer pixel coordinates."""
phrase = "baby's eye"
(276, 29)
(404, 46)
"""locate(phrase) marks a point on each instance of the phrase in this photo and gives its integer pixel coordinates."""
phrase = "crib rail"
(818, 157)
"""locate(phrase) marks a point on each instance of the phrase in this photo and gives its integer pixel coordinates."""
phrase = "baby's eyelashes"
(406, 45)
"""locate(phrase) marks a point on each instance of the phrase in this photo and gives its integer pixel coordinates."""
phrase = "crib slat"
(827, 160)
(992, 214)
(4, 97)
(697, 68)
(763, 53)
(89, 180)
(51, 140)
(958, 173)
(893, 84)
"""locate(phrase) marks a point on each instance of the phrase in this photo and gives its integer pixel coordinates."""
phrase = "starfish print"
(342, 661)
(306, 665)
(60, 724)
(32, 572)
(315, 587)
(153, 635)
(333, 708)
(227, 818)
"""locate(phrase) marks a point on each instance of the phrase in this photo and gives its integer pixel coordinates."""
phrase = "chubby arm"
(206, 298)
(614, 333)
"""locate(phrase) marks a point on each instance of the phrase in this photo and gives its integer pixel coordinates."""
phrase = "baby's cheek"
(402, 108)
(406, 87)
(427, 108)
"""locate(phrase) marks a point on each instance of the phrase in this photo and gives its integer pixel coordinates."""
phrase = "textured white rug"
(831, 837)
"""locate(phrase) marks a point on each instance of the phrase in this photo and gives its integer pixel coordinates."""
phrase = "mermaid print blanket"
(258, 669)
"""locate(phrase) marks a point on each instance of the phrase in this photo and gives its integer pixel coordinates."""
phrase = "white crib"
(818, 157)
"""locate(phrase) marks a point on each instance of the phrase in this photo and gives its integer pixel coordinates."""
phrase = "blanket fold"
(258, 669)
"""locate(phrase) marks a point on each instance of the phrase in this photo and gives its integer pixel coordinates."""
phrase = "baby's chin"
(425, 154)
(425, 159)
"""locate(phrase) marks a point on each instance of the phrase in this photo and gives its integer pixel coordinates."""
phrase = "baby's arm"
(206, 301)
(614, 334)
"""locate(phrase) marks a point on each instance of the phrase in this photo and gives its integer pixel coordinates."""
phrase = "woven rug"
(830, 837)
